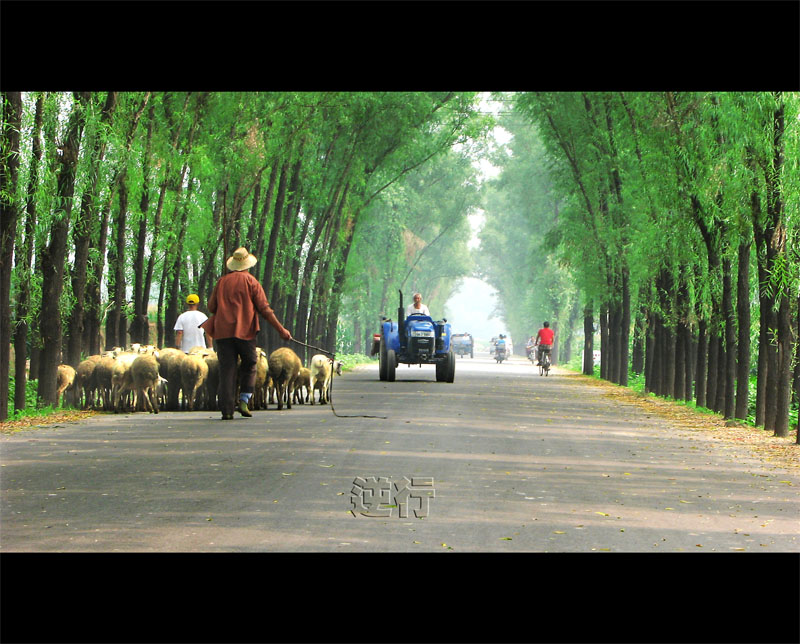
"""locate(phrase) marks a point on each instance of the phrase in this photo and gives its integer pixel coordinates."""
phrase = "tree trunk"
(625, 330)
(769, 345)
(682, 335)
(94, 309)
(9, 214)
(148, 280)
(604, 357)
(713, 367)
(81, 235)
(679, 386)
(55, 254)
(116, 323)
(24, 264)
(639, 334)
(588, 340)
(178, 269)
(783, 396)
(719, 404)
(267, 337)
(614, 323)
(743, 344)
(701, 370)
(729, 406)
(797, 365)
(796, 378)
(649, 351)
(140, 328)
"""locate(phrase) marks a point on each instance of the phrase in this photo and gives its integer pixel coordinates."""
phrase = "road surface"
(501, 460)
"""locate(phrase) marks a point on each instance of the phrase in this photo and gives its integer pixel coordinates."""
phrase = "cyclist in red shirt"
(544, 341)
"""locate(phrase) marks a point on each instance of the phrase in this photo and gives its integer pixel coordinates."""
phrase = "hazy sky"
(470, 308)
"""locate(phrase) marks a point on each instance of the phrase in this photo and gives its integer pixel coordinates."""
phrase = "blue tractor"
(416, 339)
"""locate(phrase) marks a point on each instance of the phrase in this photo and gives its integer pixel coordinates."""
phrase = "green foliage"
(414, 238)
(352, 360)
(32, 407)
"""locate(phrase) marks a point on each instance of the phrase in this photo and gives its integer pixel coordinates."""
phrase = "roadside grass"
(352, 360)
(31, 409)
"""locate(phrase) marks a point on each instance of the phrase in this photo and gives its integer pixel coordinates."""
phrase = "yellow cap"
(192, 299)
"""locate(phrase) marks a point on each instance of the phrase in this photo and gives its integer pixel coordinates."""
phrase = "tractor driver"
(417, 307)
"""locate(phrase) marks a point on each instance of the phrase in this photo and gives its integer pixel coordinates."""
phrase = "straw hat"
(241, 260)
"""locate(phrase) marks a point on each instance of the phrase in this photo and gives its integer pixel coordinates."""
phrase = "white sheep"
(146, 379)
(322, 368)
(194, 372)
(121, 382)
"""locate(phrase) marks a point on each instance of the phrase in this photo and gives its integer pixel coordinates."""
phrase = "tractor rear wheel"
(382, 362)
(391, 365)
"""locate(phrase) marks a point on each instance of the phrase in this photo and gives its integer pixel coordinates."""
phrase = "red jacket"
(234, 303)
(545, 336)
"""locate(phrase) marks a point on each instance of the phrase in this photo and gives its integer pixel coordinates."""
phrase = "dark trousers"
(229, 350)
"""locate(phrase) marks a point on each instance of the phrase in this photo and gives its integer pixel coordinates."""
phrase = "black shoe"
(227, 416)
(243, 410)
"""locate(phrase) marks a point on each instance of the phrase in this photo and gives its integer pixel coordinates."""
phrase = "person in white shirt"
(187, 326)
(417, 307)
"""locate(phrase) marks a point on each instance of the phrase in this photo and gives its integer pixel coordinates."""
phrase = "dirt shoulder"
(57, 418)
(779, 451)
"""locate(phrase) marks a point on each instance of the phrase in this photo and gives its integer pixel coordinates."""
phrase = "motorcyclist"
(544, 341)
(500, 346)
(529, 346)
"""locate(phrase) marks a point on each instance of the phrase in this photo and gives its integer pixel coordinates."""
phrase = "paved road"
(502, 460)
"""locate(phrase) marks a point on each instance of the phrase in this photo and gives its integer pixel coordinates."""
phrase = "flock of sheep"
(144, 378)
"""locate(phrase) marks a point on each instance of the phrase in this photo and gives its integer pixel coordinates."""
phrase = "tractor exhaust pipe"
(401, 317)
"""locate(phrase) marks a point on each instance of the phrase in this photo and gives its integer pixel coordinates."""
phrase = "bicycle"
(544, 364)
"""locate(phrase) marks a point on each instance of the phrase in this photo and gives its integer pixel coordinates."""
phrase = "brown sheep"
(101, 379)
(303, 382)
(145, 379)
(84, 381)
(169, 367)
(194, 371)
(212, 381)
(66, 379)
(284, 367)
